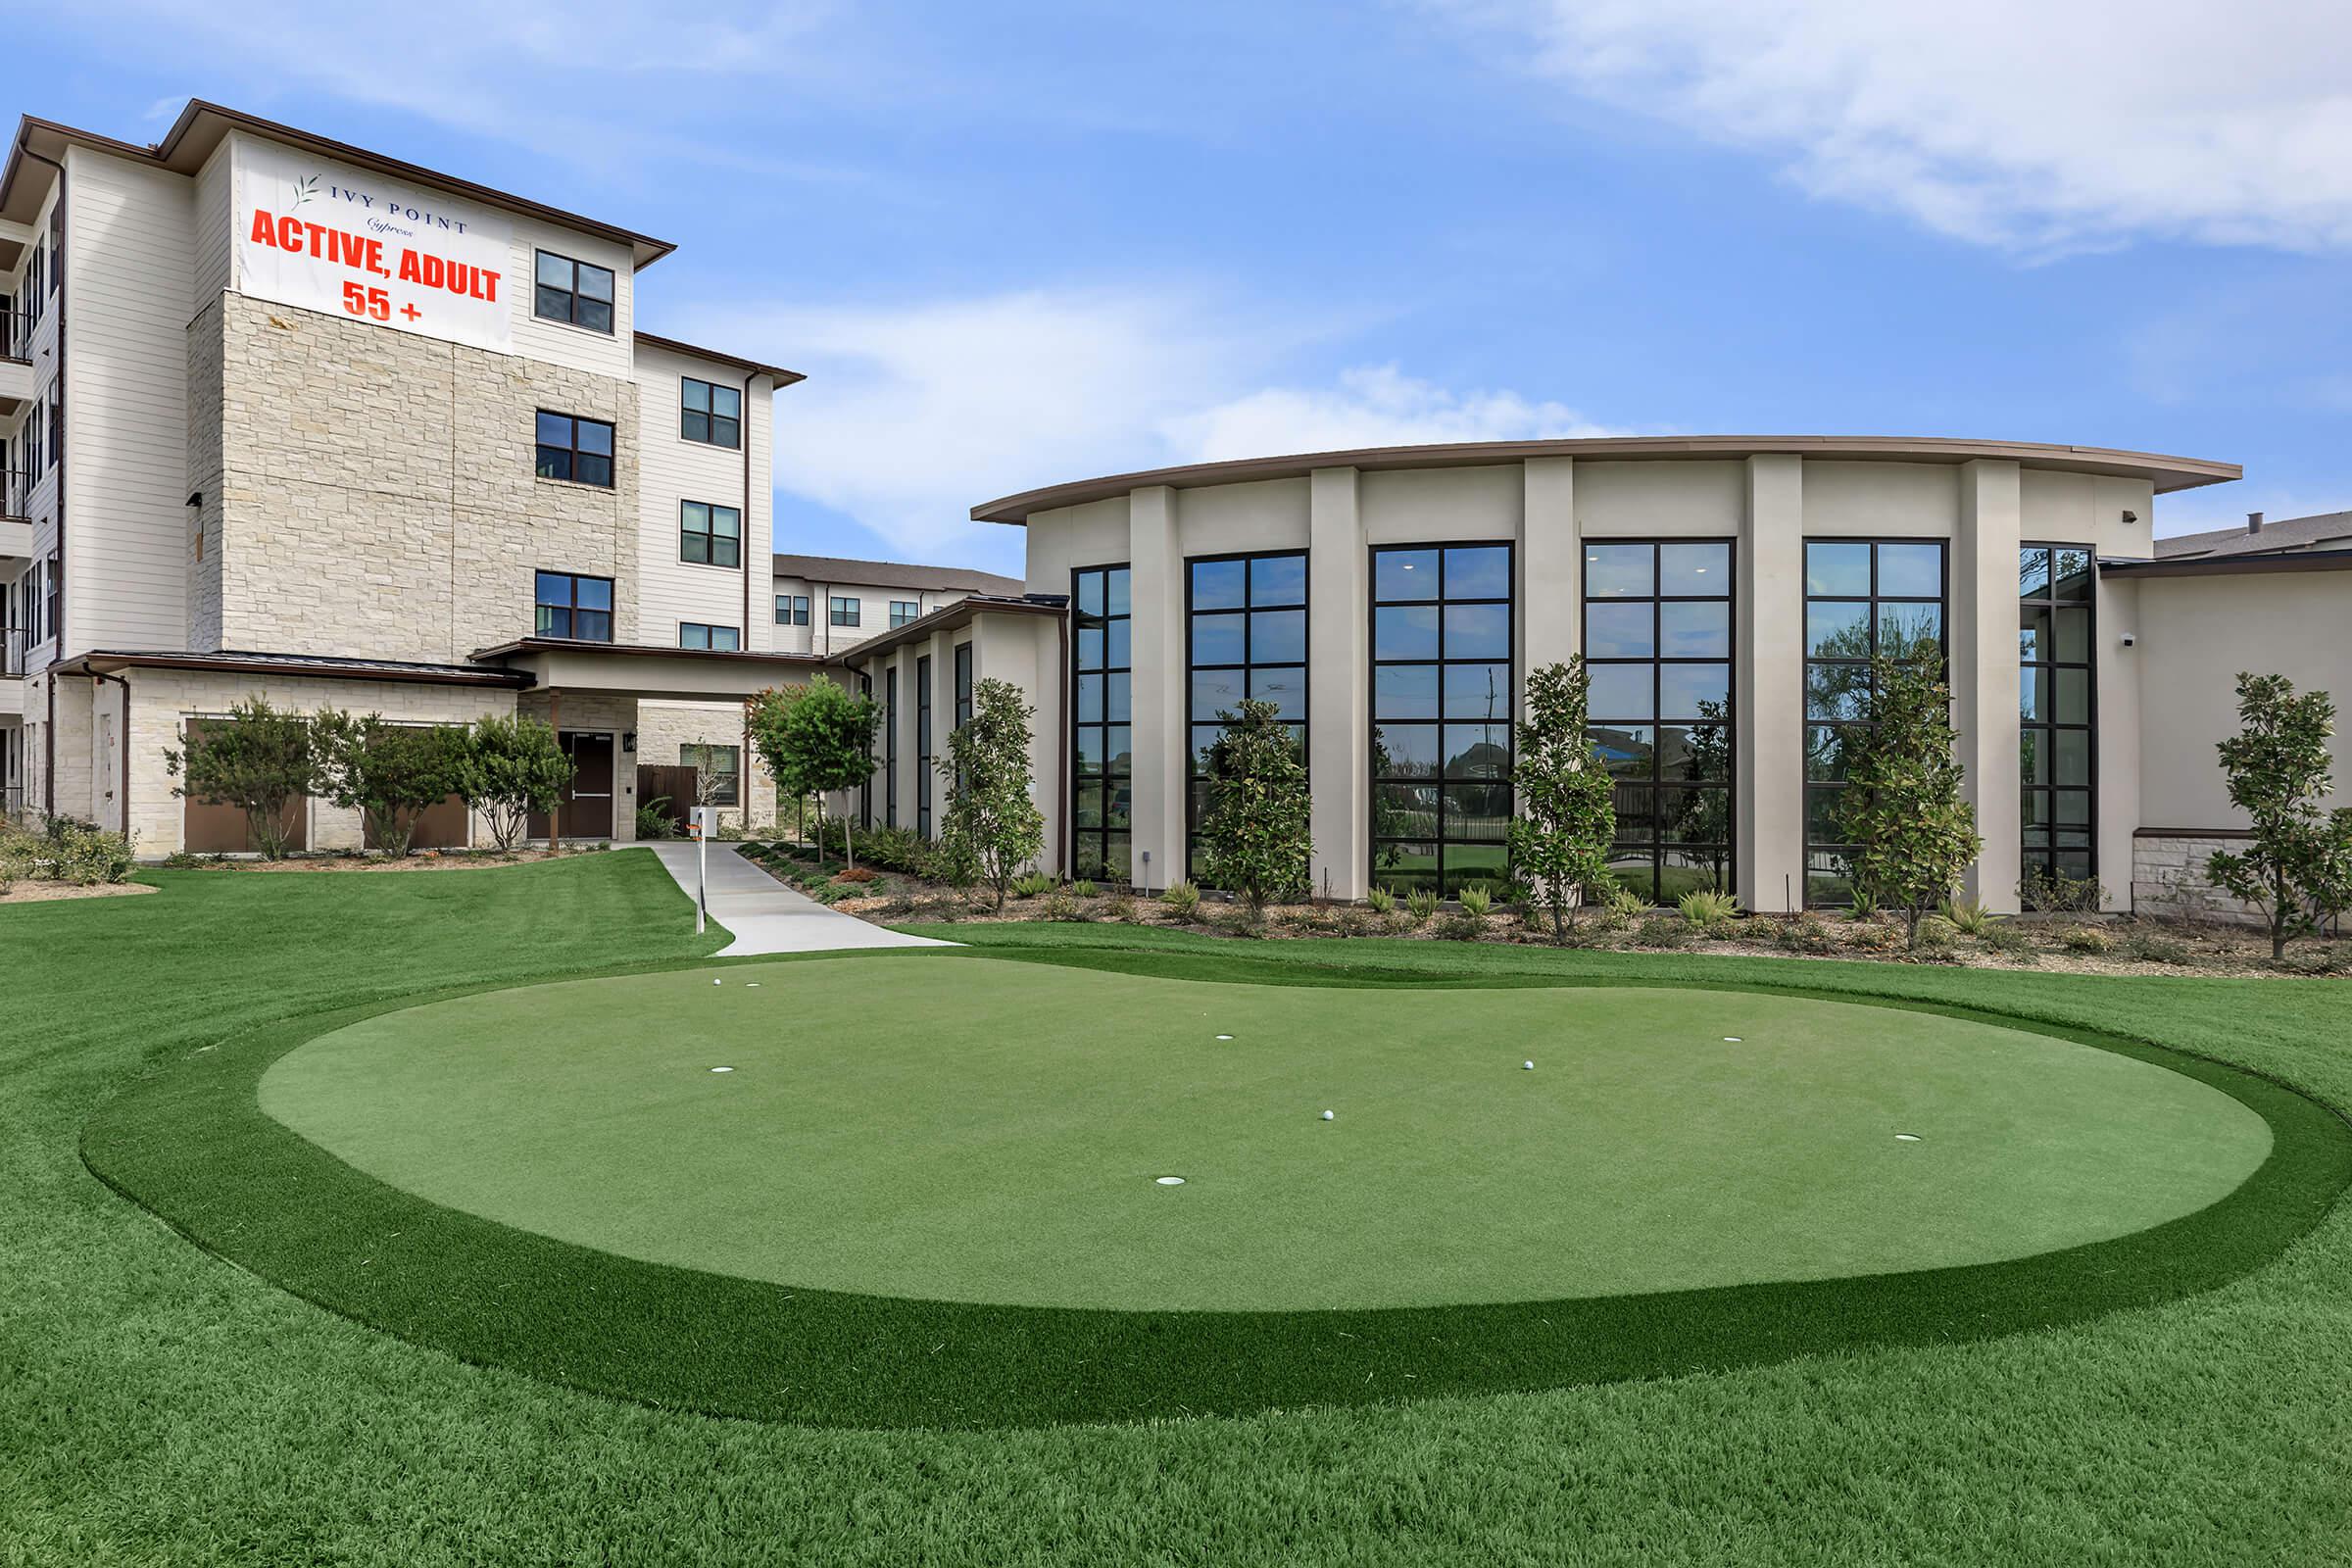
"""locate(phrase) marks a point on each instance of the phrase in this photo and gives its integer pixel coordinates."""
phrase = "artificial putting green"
(992, 1133)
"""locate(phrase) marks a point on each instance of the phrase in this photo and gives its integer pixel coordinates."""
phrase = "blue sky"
(1018, 243)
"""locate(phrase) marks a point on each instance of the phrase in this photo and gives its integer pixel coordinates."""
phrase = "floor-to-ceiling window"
(922, 746)
(1442, 687)
(2057, 704)
(1863, 597)
(1244, 637)
(890, 747)
(1657, 643)
(1101, 750)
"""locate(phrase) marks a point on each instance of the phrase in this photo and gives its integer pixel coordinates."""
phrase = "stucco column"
(1984, 653)
(1156, 556)
(1768, 680)
(1551, 613)
(1339, 742)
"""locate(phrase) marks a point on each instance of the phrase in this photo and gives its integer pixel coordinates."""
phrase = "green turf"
(985, 1138)
(159, 1406)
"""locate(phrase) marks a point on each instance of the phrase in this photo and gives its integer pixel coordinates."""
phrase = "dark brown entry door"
(588, 802)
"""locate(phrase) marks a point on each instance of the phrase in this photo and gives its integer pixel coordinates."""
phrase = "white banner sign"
(323, 237)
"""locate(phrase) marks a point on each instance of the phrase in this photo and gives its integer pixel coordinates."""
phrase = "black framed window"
(1658, 642)
(723, 638)
(1101, 750)
(903, 611)
(572, 292)
(721, 765)
(1445, 685)
(2057, 690)
(846, 612)
(792, 609)
(709, 535)
(1863, 597)
(574, 606)
(922, 746)
(890, 747)
(711, 412)
(963, 684)
(56, 420)
(576, 449)
(1244, 637)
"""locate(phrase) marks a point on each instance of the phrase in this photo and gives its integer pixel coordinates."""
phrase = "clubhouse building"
(1727, 593)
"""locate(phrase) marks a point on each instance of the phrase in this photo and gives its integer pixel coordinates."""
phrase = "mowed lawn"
(158, 1405)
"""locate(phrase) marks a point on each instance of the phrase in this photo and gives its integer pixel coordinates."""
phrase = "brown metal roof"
(107, 661)
(2164, 472)
(893, 574)
(784, 378)
(946, 617)
(532, 645)
(2248, 564)
(2327, 530)
(201, 127)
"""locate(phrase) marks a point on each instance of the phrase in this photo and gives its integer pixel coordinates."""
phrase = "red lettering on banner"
(265, 231)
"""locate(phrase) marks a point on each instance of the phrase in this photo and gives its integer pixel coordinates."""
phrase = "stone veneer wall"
(162, 699)
(204, 479)
(377, 492)
(2168, 878)
(665, 728)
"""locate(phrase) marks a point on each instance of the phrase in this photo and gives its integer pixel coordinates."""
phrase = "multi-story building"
(281, 415)
(1727, 594)
(825, 605)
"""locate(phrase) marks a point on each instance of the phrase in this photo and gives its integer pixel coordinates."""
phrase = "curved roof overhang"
(2165, 473)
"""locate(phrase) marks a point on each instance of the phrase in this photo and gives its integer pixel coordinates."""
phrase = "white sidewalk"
(766, 915)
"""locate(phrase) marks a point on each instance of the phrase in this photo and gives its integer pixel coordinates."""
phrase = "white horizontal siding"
(212, 219)
(129, 252)
(673, 470)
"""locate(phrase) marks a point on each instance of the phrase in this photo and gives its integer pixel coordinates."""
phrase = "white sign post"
(702, 823)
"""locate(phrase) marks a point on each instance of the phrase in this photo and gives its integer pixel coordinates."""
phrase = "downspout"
(121, 742)
(743, 758)
(57, 631)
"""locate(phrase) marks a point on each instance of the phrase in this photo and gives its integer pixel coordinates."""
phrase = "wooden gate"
(673, 786)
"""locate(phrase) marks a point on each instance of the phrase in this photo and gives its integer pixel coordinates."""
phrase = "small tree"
(387, 773)
(257, 760)
(507, 769)
(815, 738)
(2294, 869)
(1901, 805)
(1257, 836)
(992, 826)
(1567, 815)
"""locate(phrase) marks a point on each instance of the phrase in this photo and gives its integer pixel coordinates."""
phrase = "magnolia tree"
(388, 774)
(992, 827)
(2296, 868)
(1567, 814)
(1257, 837)
(815, 739)
(1902, 808)
(507, 769)
(257, 760)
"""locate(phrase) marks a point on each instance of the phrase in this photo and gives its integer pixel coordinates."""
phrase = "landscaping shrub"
(1663, 930)
(1969, 916)
(1420, 905)
(2146, 947)
(991, 823)
(1874, 937)
(507, 769)
(858, 873)
(1802, 933)
(1085, 889)
(65, 850)
(389, 773)
(1476, 901)
(2045, 892)
(1353, 923)
(1462, 926)
(1708, 913)
(1033, 884)
(1060, 906)
(895, 849)
(1121, 908)
(2089, 941)
(1182, 901)
(1938, 933)
(815, 738)
(1380, 902)
(1567, 819)
(652, 822)
(1621, 906)
(257, 760)
(1255, 836)
(2009, 940)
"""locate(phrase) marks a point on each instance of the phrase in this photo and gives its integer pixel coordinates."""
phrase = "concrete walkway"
(767, 917)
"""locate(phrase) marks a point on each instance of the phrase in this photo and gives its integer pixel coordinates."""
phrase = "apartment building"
(1727, 594)
(826, 605)
(287, 416)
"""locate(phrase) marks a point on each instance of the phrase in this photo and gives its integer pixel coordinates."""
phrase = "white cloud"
(1372, 406)
(2038, 126)
(913, 415)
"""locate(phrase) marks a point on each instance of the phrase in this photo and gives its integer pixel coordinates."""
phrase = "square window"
(1405, 750)
(1695, 571)
(1221, 638)
(1220, 584)
(1836, 632)
(1479, 691)
(1911, 571)
(1623, 691)
(1838, 569)
(1693, 691)
(1620, 571)
(1628, 751)
(1404, 631)
(1478, 631)
(1695, 630)
(1405, 691)
(710, 412)
(1625, 629)
(1477, 571)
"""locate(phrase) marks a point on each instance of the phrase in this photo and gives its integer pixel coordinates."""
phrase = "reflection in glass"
(1442, 643)
(1620, 571)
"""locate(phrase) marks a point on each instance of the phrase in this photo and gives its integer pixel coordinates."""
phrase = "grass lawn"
(161, 1406)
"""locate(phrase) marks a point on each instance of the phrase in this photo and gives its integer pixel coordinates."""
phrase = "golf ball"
(1528, 1066)
(1327, 1116)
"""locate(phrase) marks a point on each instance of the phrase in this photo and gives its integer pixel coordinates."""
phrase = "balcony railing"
(12, 651)
(16, 494)
(16, 333)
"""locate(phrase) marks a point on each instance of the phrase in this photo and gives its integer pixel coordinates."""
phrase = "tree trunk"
(2278, 915)
(848, 844)
(1911, 929)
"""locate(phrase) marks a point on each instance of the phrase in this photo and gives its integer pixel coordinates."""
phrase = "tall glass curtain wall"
(2056, 686)
(1443, 699)
(1244, 637)
(1863, 597)
(922, 746)
(1658, 644)
(1103, 744)
(890, 747)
